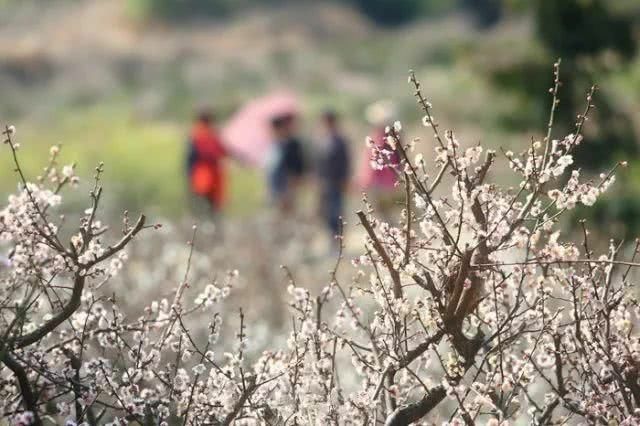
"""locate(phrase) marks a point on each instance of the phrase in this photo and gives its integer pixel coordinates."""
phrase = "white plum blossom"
(475, 307)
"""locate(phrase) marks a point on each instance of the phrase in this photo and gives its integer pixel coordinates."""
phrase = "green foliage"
(583, 27)
(618, 211)
(484, 12)
(391, 12)
(179, 9)
(594, 39)
(577, 31)
(574, 29)
(383, 12)
(613, 139)
(395, 12)
(526, 77)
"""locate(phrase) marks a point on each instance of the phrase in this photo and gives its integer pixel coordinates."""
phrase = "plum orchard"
(472, 310)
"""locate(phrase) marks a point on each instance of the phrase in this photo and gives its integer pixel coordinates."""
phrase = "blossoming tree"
(472, 310)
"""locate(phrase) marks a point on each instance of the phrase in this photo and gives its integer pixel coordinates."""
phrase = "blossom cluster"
(474, 308)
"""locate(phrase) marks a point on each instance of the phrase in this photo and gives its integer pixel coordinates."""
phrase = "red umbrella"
(248, 131)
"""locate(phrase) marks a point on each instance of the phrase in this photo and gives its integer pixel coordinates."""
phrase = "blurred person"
(380, 182)
(334, 169)
(205, 158)
(4, 262)
(286, 165)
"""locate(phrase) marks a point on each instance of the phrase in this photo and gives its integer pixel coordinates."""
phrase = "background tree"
(579, 32)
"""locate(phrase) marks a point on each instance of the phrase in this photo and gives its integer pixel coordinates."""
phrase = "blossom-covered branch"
(476, 308)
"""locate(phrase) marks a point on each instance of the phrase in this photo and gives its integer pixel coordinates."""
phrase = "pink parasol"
(248, 131)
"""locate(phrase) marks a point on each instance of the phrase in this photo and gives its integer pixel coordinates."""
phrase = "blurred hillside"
(83, 51)
(117, 81)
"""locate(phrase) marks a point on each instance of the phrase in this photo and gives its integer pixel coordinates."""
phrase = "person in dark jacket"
(287, 165)
(334, 170)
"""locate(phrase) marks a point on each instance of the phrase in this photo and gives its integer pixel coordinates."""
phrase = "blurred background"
(118, 81)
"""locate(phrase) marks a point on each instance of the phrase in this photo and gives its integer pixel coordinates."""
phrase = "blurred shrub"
(617, 213)
(589, 35)
(583, 27)
(180, 9)
(525, 77)
(391, 12)
(579, 29)
(383, 12)
(485, 13)
(594, 39)
(613, 139)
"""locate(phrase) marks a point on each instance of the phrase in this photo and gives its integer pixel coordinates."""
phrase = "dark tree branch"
(72, 305)
(411, 413)
(377, 245)
(76, 295)
(246, 394)
(29, 400)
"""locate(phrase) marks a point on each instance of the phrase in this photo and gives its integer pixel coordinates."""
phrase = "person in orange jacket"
(206, 154)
